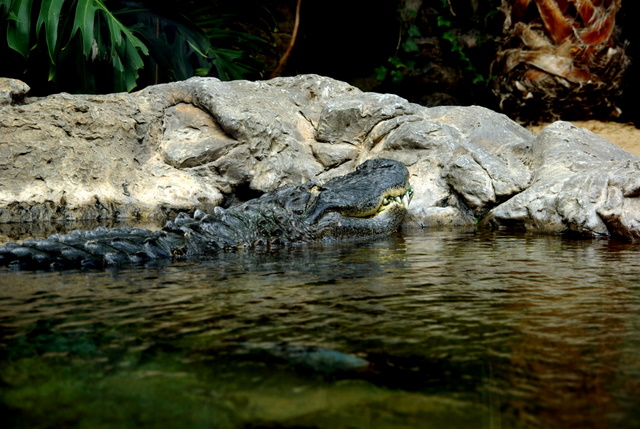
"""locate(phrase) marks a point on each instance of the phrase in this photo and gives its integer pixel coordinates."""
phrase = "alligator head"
(371, 201)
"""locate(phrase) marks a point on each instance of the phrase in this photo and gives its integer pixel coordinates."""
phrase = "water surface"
(442, 329)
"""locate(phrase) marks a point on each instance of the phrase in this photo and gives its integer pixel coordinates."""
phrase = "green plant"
(397, 68)
(87, 46)
(456, 47)
(416, 51)
(87, 24)
(230, 40)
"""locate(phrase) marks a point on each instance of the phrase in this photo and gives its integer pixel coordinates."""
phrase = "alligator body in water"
(369, 202)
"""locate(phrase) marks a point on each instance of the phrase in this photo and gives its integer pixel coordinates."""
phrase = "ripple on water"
(507, 330)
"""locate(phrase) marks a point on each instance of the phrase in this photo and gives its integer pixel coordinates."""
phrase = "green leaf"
(478, 79)
(52, 72)
(381, 73)
(195, 48)
(231, 64)
(19, 26)
(84, 21)
(131, 73)
(50, 18)
(125, 51)
(118, 67)
(224, 35)
(412, 12)
(115, 33)
(448, 35)
(126, 63)
(396, 76)
(492, 13)
(396, 61)
(410, 45)
(443, 22)
(414, 31)
(204, 71)
(5, 6)
(220, 36)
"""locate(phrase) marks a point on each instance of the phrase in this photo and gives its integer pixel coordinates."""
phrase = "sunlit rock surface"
(582, 184)
(200, 143)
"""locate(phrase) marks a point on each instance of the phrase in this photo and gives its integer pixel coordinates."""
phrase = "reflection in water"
(18, 232)
(435, 329)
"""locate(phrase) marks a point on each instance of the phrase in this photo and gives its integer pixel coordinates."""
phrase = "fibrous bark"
(560, 59)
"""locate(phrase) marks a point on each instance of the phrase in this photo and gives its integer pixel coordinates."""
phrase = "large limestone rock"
(202, 143)
(582, 184)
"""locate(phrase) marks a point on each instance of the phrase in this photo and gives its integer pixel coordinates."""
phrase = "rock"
(191, 137)
(190, 145)
(332, 155)
(582, 184)
(466, 159)
(350, 118)
(12, 91)
(90, 157)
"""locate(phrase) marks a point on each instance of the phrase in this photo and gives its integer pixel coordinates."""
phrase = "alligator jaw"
(334, 225)
(400, 197)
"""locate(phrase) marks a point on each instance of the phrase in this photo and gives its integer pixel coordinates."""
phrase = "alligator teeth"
(400, 199)
(405, 199)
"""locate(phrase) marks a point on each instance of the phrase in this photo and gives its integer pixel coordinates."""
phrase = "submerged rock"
(201, 143)
(311, 358)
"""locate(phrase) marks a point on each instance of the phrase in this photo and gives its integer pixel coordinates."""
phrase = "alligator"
(371, 201)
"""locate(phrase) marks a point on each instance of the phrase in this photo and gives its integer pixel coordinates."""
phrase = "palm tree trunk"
(559, 59)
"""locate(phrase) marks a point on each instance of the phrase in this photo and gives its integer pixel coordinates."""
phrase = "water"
(441, 329)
